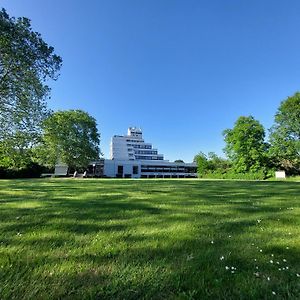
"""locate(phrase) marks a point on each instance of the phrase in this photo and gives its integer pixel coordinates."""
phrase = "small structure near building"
(61, 170)
(280, 175)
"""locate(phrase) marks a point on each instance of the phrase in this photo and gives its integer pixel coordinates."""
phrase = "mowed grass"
(149, 239)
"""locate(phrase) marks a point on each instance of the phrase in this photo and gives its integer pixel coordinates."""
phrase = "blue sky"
(181, 70)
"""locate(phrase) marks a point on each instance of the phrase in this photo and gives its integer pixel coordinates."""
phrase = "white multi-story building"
(132, 157)
(133, 147)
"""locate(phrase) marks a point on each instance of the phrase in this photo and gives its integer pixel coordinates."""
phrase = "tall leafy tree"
(26, 64)
(245, 145)
(70, 137)
(202, 163)
(285, 135)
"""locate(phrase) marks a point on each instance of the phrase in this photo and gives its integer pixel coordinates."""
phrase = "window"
(120, 170)
(135, 170)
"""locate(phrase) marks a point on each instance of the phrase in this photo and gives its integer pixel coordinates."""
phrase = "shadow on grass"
(130, 239)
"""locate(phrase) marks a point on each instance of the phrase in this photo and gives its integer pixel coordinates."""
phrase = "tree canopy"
(245, 145)
(70, 137)
(285, 135)
(210, 164)
(26, 64)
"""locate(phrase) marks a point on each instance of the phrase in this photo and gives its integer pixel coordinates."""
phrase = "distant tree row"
(249, 155)
(31, 135)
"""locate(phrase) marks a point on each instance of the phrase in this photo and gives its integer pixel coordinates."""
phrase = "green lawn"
(142, 239)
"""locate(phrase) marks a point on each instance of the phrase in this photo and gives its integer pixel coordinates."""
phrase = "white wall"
(111, 167)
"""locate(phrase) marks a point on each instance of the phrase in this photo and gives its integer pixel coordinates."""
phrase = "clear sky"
(181, 70)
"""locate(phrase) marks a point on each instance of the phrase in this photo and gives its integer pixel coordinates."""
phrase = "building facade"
(132, 157)
(133, 147)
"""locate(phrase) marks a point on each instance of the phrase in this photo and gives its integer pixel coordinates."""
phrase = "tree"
(245, 145)
(179, 161)
(202, 163)
(70, 137)
(26, 63)
(217, 163)
(285, 135)
(211, 164)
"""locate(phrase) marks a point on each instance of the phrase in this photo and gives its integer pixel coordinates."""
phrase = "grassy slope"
(112, 239)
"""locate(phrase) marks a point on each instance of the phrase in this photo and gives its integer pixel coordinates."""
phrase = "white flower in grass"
(271, 261)
(298, 275)
(290, 233)
(227, 268)
(268, 278)
(260, 250)
(255, 259)
(259, 220)
(229, 236)
(252, 244)
(287, 268)
(273, 293)
(272, 255)
(19, 234)
(277, 262)
(279, 269)
(256, 274)
(190, 257)
(287, 248)
(284, 260)
(212, 242)
(256, 267)
(232, 272)
(222, 258)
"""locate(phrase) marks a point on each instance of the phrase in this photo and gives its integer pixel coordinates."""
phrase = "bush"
(258, 175)
(32, 170)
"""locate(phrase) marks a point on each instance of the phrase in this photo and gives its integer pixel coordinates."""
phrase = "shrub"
(230, 174)
(32, 170)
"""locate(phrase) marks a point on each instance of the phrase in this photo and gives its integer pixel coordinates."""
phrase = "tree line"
(32, 137)
(250, 155)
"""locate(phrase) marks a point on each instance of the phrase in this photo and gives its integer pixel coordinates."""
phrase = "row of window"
(158, 169)
(134, 141)
(145, 152)
(155, 169)
(148, 157)
(140, 146)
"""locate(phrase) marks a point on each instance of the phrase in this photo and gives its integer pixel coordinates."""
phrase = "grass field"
(142, 239)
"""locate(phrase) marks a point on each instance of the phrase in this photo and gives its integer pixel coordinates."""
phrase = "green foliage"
(26, 64)
(202, 163)
(231, 174)
(149, 239)
(70, 137)
(31, 170)
(208, 165)
(285, 135)
(179, 161)
(245, 145)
